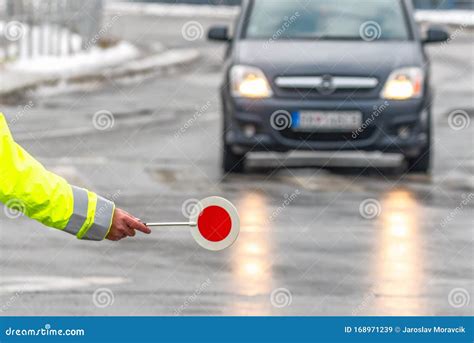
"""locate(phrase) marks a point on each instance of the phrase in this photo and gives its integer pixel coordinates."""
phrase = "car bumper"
(382, 122)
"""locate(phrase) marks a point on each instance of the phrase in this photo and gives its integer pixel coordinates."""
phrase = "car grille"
(326, 86)
(315, 94)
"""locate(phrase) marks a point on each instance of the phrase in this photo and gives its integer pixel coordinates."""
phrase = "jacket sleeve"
(25, 185)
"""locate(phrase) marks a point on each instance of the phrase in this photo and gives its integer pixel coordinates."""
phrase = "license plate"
(326, 120)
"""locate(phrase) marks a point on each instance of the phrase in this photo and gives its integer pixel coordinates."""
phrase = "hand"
(124, 224)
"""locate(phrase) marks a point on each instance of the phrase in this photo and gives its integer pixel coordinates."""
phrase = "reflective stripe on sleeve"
(102, 220)
(79, 215)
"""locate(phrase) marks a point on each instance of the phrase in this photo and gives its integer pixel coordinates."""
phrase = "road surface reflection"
(399, 259)
(251, 260)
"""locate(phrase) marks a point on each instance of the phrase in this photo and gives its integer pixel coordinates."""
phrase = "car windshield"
(367, 20)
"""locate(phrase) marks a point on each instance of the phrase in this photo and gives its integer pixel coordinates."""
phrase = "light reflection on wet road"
(399, 260)
(252, 255)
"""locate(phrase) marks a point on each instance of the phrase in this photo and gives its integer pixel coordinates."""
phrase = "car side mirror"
(219, 33)
(435, 34)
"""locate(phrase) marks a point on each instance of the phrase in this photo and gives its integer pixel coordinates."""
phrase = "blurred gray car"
(326, 75)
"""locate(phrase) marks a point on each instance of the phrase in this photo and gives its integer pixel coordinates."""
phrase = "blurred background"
(123, 98)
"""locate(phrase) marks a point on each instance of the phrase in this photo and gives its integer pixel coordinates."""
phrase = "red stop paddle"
(214, 223)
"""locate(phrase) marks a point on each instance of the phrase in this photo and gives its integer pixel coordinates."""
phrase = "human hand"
(124, 225)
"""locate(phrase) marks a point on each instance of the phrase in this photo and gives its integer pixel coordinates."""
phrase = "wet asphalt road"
(303, 237)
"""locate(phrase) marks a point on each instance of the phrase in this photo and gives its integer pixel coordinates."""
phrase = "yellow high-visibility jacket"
(27, 186)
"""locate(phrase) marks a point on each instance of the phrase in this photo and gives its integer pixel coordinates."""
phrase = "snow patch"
(170, 57)
(81, 63)
(453, 17)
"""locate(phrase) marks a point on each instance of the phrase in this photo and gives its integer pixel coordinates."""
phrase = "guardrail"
(31, 28)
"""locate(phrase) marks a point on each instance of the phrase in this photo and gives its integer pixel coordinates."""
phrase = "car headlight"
(405, 83)
(249, 82)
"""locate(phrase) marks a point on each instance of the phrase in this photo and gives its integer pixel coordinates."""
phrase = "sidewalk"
(122, 60)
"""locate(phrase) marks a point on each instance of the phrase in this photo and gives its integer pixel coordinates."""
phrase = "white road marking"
(22, 284)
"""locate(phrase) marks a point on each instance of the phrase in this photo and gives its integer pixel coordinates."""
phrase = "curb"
(162, 63)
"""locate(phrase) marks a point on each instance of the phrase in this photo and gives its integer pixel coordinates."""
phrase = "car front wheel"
(422, 162)
(232, 162)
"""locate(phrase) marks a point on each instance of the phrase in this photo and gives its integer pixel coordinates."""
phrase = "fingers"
(114, 236)
(129, 232)
(111, 237)
(135, 224)
(120, 233)
(125, 225)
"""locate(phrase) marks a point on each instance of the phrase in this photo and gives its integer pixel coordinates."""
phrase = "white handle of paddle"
(169, 224)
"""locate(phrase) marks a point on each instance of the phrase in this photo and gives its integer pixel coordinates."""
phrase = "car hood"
(355, 58)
